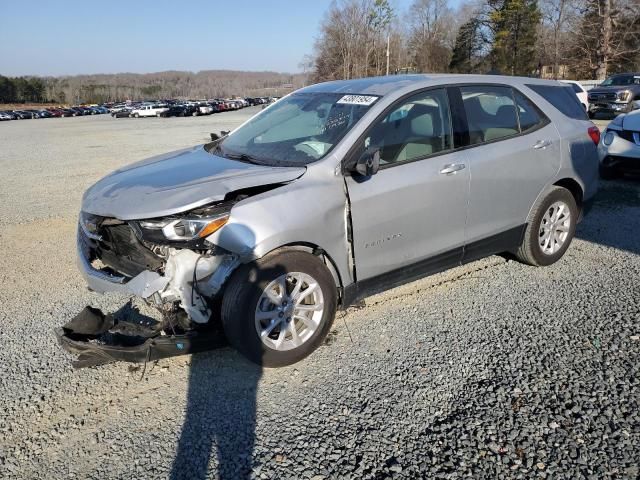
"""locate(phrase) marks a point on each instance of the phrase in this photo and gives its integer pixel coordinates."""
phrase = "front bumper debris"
(99, 339)
(189, 278)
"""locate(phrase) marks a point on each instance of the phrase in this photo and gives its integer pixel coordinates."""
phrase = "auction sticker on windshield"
(358, 99)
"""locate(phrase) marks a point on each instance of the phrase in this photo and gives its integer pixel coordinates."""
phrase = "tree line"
(150, 86)
(584, 39)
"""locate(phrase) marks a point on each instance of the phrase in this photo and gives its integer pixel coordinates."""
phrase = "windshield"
(296, 130)
(622, 80)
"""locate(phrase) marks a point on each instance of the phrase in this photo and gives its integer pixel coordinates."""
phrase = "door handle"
(541, 144)
(452, 168)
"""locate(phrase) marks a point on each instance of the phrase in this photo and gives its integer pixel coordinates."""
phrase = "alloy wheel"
(554, 228)
(289, 311)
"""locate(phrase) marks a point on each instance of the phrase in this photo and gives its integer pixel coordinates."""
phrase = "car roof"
(386, 84)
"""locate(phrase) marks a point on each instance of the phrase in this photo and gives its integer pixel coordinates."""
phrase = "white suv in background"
(581, 93)
(151, 110)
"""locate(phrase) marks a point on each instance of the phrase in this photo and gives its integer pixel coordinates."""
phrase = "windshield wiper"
(242, 157)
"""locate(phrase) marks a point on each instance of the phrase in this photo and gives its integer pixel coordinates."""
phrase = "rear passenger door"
(513, 152)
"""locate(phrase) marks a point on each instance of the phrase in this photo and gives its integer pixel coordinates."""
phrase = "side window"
(530, 116)
(491, 113)
(418, 127)
(563, 98)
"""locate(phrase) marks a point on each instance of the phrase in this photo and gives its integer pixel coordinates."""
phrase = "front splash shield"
(97, 340)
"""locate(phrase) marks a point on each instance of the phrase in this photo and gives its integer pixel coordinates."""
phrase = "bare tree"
(557, 17)
(607, 37)
(431, 34)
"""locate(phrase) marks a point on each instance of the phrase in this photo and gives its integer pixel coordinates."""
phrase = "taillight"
(594, 133)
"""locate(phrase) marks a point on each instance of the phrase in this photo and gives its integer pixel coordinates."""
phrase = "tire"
(591, 115)
(245, 296)
(194, 114)
(531, 251)
(608, 173)
(137, 115)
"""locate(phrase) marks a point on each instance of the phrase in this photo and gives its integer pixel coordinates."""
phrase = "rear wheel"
(278, 310)
(550, 228)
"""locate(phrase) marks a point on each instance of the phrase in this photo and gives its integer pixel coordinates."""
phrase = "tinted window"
(576, 88)
(491, 113)
(621, 80)
(530, 117)
(563, 98)
(416, 128)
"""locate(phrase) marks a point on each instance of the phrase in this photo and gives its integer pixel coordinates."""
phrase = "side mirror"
(369, 163)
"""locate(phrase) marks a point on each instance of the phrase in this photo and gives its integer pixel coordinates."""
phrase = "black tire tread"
(525, 252)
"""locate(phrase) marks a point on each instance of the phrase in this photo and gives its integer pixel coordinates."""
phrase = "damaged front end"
(167, 262)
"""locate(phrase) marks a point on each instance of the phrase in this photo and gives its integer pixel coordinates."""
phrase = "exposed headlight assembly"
(189, 227)
(608, 138)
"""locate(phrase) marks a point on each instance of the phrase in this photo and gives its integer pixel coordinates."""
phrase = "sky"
(69, 37)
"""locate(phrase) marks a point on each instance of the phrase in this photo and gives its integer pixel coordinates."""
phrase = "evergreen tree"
(467, 49)
(514, 24)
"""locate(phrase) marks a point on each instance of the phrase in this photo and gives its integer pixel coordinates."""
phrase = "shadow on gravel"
(221, 399)
(608, 224)
(220, 416)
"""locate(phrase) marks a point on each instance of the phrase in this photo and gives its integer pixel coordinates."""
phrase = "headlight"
(192, 226)
(624, 95)
(608, 138)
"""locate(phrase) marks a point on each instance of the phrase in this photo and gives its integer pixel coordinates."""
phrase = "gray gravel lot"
(492, 370)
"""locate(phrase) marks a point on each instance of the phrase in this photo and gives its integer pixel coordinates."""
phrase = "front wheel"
(550, 228)
(279, 309)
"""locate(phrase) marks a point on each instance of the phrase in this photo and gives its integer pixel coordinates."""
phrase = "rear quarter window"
(563, 98)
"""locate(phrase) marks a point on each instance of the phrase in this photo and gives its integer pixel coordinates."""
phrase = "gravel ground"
(492, 370)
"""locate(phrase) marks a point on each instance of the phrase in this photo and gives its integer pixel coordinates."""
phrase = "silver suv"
(336, 192)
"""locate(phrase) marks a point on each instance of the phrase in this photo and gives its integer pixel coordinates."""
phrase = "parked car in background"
(23, 114)
(619, 148)
(69, 112)
(617, 94)
(204, 108)
(55, 112)
(4, 116)
(149, 110)
(202, 231)
(122, 113)
(79, 111)
(580, 92)
(41, 113)
(11, 114)
(180, 111)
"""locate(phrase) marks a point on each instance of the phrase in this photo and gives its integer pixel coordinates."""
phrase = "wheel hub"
(554, 228)
(289, 311)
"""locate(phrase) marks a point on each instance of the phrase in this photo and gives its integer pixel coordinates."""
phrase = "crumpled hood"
(176, 182)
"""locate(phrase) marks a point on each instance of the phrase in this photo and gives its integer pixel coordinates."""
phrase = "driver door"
(408, 219)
